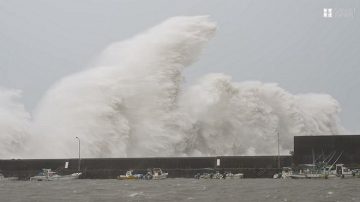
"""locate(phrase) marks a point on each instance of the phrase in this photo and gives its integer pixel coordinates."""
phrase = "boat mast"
(79, 154)
(278, 148)
(336, 160)
(313, 156)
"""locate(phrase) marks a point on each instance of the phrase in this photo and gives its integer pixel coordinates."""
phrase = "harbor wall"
(306, 149)
(107, 168)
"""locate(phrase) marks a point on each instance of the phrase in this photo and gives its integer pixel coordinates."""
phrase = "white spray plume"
(14, 124)
(124, 106)
(132, 104)
(244, 118)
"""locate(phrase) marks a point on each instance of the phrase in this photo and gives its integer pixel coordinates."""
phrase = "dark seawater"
(183, 190)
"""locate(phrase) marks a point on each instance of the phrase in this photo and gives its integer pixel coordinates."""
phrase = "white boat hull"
(56, 177)
(160, 177)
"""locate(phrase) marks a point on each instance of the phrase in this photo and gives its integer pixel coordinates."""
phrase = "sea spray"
(244, 118)
(14, 124)
(132, 104)
(127, 105)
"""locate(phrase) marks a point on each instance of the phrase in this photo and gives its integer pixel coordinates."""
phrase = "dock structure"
(306, 150)
(106, 168)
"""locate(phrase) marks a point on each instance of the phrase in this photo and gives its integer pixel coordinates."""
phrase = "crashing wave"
(132, 103)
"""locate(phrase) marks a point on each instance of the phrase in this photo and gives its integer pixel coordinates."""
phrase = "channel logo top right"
(338, 12)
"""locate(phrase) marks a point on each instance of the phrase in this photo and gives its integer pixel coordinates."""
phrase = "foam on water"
(132, 103)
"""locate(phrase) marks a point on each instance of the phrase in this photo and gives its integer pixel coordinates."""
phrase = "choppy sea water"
(182, 190)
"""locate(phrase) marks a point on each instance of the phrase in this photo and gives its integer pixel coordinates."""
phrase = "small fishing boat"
(157, 174)
(217, 175)
(308, 176)
(307, 171)
(319, 169)
(130, 176)
(49, 175)
(356, 173)
(311, 171)
(209, 174)
(340, 171)
(286, 172)
(212, 174)
(203, 176)
(229, 175)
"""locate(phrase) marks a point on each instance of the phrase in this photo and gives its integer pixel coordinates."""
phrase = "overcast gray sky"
(287, 42)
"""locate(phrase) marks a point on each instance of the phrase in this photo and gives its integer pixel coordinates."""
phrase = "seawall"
(107, 168)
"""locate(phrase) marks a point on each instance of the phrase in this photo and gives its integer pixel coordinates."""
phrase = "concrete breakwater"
(107, 168)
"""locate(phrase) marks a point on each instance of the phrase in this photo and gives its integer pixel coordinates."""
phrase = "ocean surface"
(182, 190)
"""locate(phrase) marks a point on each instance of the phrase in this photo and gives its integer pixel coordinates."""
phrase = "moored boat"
(212, 174)
(130, 176)
(158, 174)
(49, 175)
(311, 171)
(229, 175)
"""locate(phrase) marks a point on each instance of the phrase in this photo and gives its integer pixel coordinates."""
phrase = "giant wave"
(133, 103)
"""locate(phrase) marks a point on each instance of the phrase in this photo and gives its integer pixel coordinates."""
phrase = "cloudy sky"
(287, 42)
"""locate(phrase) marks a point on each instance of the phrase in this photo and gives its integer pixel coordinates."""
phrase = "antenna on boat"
(313, 155)
(330, 157)
(318, 159)
(79, 154)
(336, 160)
